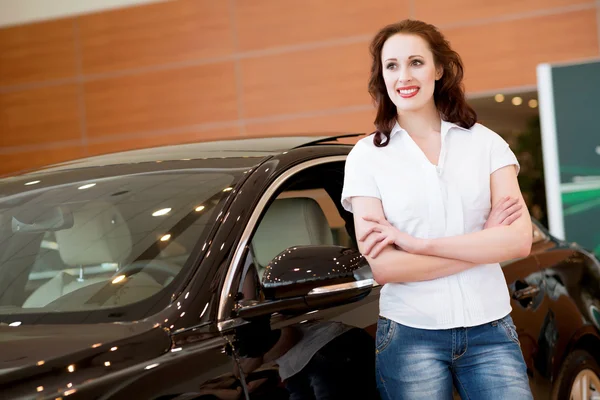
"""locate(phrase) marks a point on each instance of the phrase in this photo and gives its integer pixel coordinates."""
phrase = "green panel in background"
(570, 119)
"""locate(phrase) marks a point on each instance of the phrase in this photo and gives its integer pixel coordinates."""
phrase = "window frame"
(224, 315)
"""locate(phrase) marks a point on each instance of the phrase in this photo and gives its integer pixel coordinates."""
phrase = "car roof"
(257, 148)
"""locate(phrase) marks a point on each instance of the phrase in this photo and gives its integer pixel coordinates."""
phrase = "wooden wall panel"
(360, 121)
(33, 159)
(39, 116)
(145, 141)
(271, 23)
(37, 52)
(158, 33)
(305, 81)
(506, 54)
(161, 100)
(454, 11)
(187, 70)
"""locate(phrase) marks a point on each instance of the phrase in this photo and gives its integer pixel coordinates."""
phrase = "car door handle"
(526, 293)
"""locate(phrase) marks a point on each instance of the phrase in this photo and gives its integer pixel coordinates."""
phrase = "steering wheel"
(159, 270)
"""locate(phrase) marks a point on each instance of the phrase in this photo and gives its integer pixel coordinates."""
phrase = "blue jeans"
(482, 362)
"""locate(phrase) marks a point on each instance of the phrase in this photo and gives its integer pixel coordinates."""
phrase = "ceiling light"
(16, 323)
(165, 237)
(118, 279)
(499, 98)
(533, 103)
(161, 212)
(152, 366)
(200, 208)
(517, 101)
(71, 368)
(40, 388)
(89, 185)
(32, 183)
(107, 363)
(228, 189)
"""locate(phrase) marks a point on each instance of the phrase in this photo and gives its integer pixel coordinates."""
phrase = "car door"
(329, 349)
(530, 312)
(571, 323)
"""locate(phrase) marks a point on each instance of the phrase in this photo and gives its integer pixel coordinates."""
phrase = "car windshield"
(105, 242)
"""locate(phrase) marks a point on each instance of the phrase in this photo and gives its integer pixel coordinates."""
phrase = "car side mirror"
(308, 277)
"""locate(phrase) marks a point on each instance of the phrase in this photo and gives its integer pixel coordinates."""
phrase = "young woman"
(421, 189)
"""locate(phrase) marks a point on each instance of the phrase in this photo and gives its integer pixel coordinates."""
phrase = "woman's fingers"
(511, 202)
(504, 205)
(372, 241)
(371, 230)
(509, 212)
(503, 208)
(499, 202)
(512, 218)
(366, 234)
(380, 246)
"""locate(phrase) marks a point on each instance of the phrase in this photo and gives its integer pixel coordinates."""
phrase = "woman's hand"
(382, 234)
(506, 211)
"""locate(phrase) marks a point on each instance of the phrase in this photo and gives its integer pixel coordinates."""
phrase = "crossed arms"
(395, 256)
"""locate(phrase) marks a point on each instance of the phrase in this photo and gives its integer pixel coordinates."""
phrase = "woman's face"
(409, 71)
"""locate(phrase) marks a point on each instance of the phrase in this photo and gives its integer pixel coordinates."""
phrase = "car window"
(304, 212)
(104, 244)
(336, 224)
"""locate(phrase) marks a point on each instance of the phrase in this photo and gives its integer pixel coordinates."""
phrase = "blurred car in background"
(157, 273)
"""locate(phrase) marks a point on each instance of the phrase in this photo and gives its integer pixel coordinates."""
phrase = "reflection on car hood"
(81, 352)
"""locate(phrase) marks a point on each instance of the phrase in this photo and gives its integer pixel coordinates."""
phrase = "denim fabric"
(482, 362)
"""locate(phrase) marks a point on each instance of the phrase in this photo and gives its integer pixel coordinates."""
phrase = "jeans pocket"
(510, 329)
(385, 332)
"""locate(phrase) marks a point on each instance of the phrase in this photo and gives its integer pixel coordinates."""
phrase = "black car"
(158, 273)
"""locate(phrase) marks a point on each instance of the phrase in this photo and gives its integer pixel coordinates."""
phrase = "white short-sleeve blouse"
(432, 201)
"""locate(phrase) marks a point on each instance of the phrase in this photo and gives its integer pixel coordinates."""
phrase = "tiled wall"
(187, 70)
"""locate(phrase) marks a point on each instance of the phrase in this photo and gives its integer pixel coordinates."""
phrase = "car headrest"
(290, 222)
(99, 235)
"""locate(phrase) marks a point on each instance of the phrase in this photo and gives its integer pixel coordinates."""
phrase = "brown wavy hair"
(449, 93)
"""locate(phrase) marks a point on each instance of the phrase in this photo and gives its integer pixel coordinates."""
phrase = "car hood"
(46, 355)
